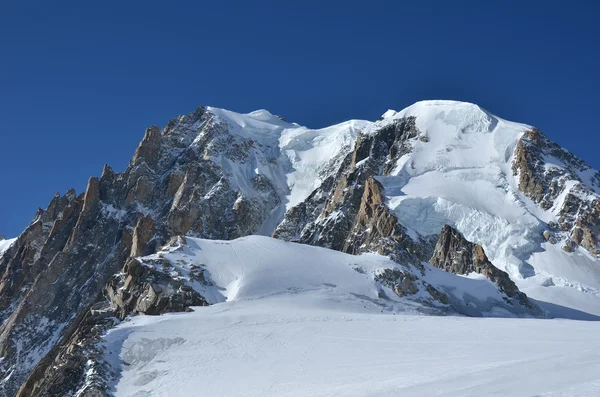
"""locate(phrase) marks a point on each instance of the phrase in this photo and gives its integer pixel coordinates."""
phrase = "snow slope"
(459, 172)
(296, 320)
(287, 345)
(257, 267)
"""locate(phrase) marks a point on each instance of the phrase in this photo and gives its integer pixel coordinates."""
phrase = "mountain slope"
(439, 184)
(255, 267)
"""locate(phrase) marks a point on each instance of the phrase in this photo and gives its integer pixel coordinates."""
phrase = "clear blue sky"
(80, 82)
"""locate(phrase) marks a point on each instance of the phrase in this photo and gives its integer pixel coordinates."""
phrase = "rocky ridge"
(348, 213)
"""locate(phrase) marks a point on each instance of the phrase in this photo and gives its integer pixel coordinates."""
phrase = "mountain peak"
(457, 117)
(258, 120)
(433, 105)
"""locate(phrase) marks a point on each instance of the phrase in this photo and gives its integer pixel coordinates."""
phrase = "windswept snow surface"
(314, 151)
(295, 158)
(459, 172)
(296, 320)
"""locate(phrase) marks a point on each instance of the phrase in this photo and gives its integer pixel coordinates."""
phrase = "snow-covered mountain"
(532, 205)
(441, 208)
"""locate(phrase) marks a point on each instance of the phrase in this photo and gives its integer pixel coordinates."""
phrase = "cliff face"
(77, 361)
(454, 254)
(57, 268)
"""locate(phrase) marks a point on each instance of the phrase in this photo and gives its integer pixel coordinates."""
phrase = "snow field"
(284, 346)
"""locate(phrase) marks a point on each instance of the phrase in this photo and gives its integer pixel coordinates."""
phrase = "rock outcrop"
(402, 282)
(141, 289)
(454, 254)
(552, 177)
(77, 363)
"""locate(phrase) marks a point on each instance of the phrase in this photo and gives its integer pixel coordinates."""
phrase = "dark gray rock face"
(402, 282)
(140, 289)
(76, 364)
(64, 367)
(579, 212)
(51, 274)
